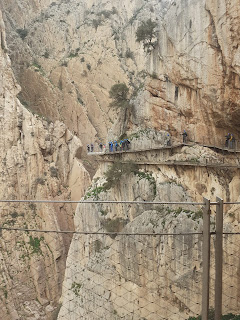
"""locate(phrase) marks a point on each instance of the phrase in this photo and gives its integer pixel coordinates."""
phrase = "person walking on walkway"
(111, 146)
(168, 140)
(91, 147)
(88, 148)
(228, 136)
(232, 141)
(100, 146)
(128, 144)
(184, 134)
(116, 145)
(120, 144)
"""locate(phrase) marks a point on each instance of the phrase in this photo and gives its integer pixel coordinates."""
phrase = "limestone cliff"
(194, 84)
(38, 159)
(66, 55)
(124, 275)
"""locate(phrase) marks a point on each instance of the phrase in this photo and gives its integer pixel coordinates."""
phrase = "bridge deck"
(182, 163)
(106, 152)
(208, 163)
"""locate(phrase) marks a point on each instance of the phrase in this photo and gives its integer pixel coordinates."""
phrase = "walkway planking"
(181, 163)
(164, 148)
(207, 163)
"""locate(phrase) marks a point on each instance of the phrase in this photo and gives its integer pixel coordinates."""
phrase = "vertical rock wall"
(38, 160)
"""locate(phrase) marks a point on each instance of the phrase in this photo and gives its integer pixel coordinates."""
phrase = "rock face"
(38, 160)
(66, 55)
(122, 276)
(198, 63)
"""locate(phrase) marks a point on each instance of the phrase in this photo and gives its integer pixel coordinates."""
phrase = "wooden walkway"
(223, 149)
(220, 165)
(110, 157)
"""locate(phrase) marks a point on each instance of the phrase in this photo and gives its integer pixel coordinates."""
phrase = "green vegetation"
(146, 33)
(35, 244)
(194, 160)
(150, 178)
(53, 172)
(98, 245)
(97, 22)
(14, 214)
(37, 67)
(76, 288)
(194, 215)
(114, 225)
(22, 33)
(129, 54)
(40, 181)
(119, 94)
(103, 212)
(117, 171)
(46, 54)
(73, 55)
(93, 193)
(211, 314)
(140, 133)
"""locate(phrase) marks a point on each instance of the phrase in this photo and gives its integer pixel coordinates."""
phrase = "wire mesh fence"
(32, 271)
(231, 274)
(114, 272)
(107, 277)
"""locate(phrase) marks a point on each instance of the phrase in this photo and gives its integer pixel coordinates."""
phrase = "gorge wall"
(66, 55)
(39, 159)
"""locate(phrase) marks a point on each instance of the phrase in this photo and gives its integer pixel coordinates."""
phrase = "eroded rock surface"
(38, 160)
(66, 55)
(133, 276)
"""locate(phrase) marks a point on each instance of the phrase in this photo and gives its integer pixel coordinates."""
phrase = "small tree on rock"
(147, 34)
(119, 94)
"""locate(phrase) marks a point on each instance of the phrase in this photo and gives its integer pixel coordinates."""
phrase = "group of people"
(230, 141)
(122, 145)
(90, 147)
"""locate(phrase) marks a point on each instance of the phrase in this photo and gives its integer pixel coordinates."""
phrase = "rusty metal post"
(206, 259)
(218, 259)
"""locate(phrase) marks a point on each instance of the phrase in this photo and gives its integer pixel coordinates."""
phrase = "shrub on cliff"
(117, 171)
(119, 94)
(22, 33)
(211, 316)
(147, 34)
